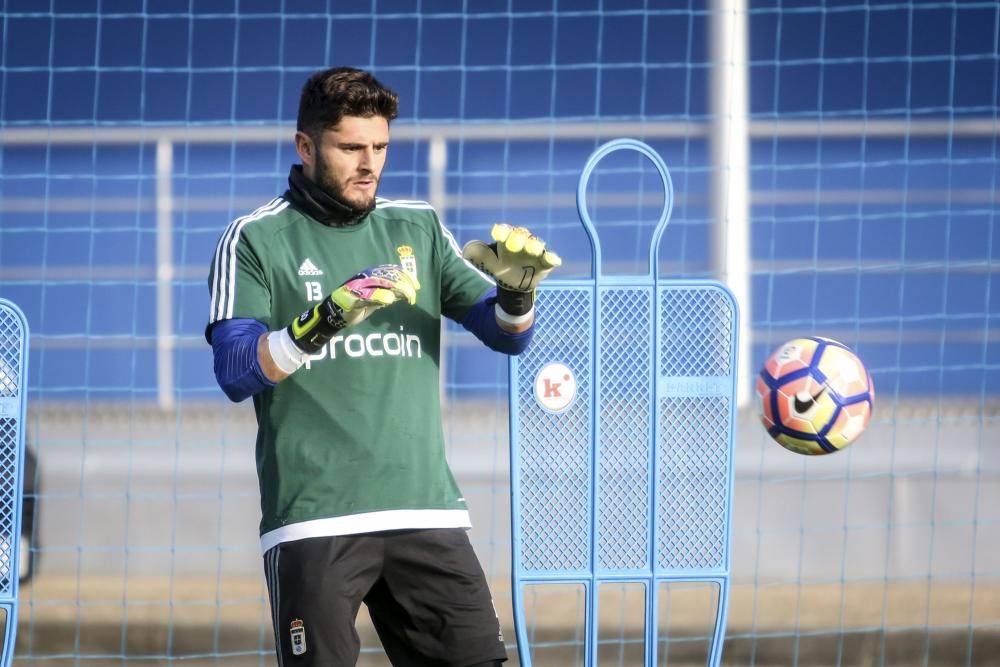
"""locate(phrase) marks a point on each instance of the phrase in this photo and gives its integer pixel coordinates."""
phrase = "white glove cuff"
(284, 352)
(504, 316)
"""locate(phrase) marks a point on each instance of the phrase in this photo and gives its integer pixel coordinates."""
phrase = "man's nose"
(366, 160)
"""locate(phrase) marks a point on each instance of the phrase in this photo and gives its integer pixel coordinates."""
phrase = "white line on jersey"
(402, 203)
(224, 285)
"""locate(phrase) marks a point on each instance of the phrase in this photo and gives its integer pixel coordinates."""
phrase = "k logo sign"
(555, 387)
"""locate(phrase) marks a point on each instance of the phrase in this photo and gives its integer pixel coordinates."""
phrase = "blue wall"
(888, 242)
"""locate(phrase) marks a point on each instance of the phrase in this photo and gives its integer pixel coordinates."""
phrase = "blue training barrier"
(622, 419)
(13, 394)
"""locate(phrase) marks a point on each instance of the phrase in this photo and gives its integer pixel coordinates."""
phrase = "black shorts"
(425, 592)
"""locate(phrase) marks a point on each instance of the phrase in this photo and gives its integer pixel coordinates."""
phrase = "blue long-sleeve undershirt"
(238, 371)
(237, 368)
(482, 323)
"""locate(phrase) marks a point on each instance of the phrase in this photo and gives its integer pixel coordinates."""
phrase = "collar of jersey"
(319, 204)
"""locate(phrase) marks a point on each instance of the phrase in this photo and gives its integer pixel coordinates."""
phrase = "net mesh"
(132, 132)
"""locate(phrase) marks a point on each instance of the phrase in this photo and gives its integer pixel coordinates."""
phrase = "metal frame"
(13, 405)
(575, 500)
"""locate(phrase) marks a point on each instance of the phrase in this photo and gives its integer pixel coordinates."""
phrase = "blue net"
(132, 132)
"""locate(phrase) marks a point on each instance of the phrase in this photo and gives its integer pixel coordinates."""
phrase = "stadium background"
(873, 215)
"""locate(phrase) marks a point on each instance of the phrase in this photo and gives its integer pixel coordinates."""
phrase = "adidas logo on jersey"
(309, 269)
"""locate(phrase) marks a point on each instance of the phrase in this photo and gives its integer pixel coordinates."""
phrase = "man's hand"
(517, 260)
(355, 300)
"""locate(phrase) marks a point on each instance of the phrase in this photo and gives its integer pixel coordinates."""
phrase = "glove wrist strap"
(515, 303)
(315, 327)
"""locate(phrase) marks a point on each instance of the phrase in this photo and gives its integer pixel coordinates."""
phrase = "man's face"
(348, 159)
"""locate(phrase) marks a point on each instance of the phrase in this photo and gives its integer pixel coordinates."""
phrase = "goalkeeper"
(326, 307)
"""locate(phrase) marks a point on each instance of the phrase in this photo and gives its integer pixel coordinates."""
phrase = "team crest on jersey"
(297, 630)
(407, 259)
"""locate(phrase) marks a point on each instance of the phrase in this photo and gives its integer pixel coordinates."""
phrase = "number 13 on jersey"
(314, 291)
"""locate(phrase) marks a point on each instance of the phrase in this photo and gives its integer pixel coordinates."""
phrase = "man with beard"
(358, 502)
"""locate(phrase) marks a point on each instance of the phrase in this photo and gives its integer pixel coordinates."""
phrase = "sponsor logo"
(804, 401)
(407, 259)
(297, 631)
(693, 386)
(376, 344)
(555, 387)
(307, 268)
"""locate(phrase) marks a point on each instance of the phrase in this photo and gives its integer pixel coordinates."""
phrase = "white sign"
(555, 387)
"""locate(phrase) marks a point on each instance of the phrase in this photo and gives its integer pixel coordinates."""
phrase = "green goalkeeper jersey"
(351, 442)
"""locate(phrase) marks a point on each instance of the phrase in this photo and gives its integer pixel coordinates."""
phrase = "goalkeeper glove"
(518, 261)
(355, 300)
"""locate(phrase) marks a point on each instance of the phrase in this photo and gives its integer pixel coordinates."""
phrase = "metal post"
(164, 275)
(730, 151)
(437, 166)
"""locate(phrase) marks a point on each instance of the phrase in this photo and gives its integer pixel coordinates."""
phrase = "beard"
(326, 180)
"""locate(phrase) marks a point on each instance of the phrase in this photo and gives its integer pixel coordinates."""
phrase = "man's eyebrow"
(351, 144)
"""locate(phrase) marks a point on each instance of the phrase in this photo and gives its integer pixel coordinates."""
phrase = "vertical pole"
(437, 167)
(730, 151)
(164, 275)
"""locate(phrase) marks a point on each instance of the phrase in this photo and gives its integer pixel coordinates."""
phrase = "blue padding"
(481, 321)
(237, 369)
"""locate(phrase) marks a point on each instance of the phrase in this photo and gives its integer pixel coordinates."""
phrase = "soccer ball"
(815, 395)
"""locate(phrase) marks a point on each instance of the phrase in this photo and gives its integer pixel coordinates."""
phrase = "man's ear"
(306, 148)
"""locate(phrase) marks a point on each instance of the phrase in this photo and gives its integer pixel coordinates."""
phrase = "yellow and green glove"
(355, 300)
(517, 260)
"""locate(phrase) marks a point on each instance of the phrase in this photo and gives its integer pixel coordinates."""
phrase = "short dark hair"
(334, 93)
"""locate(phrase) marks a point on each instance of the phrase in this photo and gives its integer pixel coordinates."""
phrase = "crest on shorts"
(407, 259)
(297, 631)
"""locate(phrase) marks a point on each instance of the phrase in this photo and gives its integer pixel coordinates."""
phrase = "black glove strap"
(515, 303)
(317, 330)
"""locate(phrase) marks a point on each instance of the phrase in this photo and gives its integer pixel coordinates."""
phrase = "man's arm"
(483, 322)
(249, 359)
(266, 361)
(516, 327)
(238, 367)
